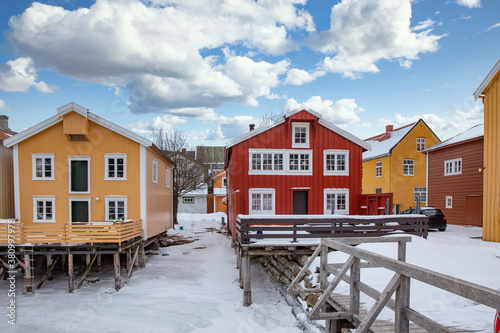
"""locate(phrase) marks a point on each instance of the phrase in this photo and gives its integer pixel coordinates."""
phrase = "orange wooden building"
(220, 195)
(77, 168)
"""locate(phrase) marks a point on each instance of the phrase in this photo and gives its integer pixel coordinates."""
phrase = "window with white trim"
(422, 191)
(224, 182)
(168, 172)
(449, 201)
(420, 144)
(408, 167)
(116, 208)
(188, 200)
(279, 162)
(453, 167)
(262, 201)
(300, 137)
(378, 169)
(155, 171)
(338, 199)
(336, 162)
(116, 166)
(43, 166)
(44, 209)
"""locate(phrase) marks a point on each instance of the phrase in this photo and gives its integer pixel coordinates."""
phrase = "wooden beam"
(87, 271)
(296, 280)
(48, 273)
(28, 279)
(247, 284)
(116, 264)
(71, 275)
(132, 263)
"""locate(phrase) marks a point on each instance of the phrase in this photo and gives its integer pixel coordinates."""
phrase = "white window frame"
(336, 152)
(378, 167)
(106, 166)
(336, 191)
(286, 162)
(34, 157)
(44, 199)
(116, 198)
(79, 158)
(224, 180)
(407, 169)
(421, 144)
(168, 175)
(424, 191)
(300, 145)
(155, 171)
(88, 199)
(449, 201)
(450, 167)
(261, 191)
(188, 200)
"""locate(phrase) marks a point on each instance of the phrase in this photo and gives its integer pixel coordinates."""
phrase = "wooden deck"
(70, 233)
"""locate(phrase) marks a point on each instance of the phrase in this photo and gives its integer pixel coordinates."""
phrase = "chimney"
(389, 128)
(252, 127)
(184, 151)
(4, 123)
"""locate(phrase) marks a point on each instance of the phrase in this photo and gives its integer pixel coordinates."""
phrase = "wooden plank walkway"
(341, 303)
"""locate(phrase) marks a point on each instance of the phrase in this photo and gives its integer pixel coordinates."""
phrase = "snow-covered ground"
(195, 289)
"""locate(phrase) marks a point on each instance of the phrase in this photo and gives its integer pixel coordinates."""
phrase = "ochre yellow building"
(397, 165)
(489, 91)
(79, 167)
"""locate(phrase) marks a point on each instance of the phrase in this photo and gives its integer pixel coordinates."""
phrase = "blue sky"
(212, 67)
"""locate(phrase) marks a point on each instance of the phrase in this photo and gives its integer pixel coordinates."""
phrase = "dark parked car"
(437, 220)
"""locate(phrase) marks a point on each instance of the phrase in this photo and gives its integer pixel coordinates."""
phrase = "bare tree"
(189, 174)
(268, 119)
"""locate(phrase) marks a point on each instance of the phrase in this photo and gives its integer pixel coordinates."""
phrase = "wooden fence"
(399, 284)
(251, 228)
(71, 233)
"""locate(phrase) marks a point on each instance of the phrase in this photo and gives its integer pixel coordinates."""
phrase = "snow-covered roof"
(219, 190)
(321, 121)
(474, 132)
(383, 144)
(197, 193)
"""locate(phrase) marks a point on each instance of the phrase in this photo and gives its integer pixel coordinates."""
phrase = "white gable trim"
(314, 113)
(77, 108)
(493, 72)
(253, 133)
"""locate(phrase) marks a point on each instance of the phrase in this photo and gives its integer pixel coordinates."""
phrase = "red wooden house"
(300, 165)
(455, 177)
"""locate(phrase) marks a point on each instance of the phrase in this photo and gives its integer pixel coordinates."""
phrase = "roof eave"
(487, 80)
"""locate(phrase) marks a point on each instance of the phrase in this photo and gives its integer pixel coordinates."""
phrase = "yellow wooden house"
(220, 185)
(489, 91)
(79, 178)
(397, 165)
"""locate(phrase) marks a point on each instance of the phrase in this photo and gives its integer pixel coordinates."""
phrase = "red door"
(474, 210)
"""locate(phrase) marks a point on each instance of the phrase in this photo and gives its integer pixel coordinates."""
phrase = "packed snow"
(194, 288)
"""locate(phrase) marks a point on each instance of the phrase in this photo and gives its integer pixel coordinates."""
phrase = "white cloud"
(19, 75)
(4, 107)
(470, 3)
(366, 31)
(299, 77)
(423, 25)
(493, 26)
(340, 112)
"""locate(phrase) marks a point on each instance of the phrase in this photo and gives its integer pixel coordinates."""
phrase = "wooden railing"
(399, 284)
(71, 233)
(251, 228)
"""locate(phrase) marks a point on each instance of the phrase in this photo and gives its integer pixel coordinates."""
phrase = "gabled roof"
(218, 174)
(321, 121)
(383, 144)
(473, 133)
(495, 71)
(15, 139)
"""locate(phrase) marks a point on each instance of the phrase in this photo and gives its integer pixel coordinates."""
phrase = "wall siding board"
(470, 182)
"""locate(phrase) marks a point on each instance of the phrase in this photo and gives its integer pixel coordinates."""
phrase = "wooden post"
(133, 259)
(49, 264)
(99, 262)
(354, 291)
(129, 259)
(402, 324)
(136, 260)
(63, 263)
(71, 280)
(118, 278)
(27, 274)
(87, 262)
(332, 326)
(247, 284)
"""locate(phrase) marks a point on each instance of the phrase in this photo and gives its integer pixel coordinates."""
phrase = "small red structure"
(300, 165)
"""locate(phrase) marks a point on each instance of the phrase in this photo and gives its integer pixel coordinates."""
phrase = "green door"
(79, 176)
(79, 211)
